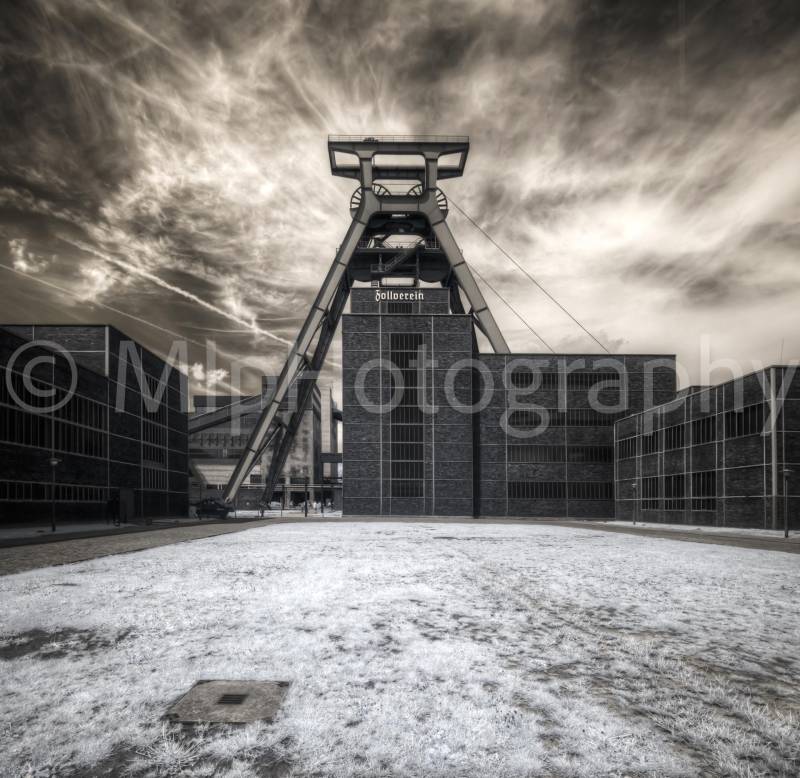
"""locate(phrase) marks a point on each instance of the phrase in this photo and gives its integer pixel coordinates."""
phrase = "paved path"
(21, 558)
(777, 543)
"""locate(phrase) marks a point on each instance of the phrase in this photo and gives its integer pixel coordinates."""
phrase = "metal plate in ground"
(229, 702)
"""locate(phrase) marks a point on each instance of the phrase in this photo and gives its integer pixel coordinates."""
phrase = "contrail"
(140, 320)
(254, 328)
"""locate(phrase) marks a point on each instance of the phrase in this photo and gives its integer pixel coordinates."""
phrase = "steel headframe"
(303, 364)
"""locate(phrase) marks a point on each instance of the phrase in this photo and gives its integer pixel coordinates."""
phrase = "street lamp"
(635, 502)
(786, 473)
(305, 492)
(53, 462)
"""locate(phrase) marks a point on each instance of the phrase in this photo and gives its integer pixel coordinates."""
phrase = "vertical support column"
(365, 163)
(431, 171)
(773, 445)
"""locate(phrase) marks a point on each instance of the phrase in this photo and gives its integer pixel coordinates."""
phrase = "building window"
(704, 430)
(588, 417)
(537, 490)
(524, 378)
(673, 437)
(573, 417)
(526, 453)
(28, 491)
(584, 381)
(520, 452)
(747, 421)
(531, 418)
(704, 491)
(626, 448)
(406, 420)
(590, 490)
(651, 443)
(406, 488)
(154, 480)
(674, 492)
(399, 307)
(650, 493)
(590, 454)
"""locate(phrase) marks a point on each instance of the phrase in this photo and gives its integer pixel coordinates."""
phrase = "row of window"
(400, 307)
(78, 409)
(28, 491)
(673, 489)
(529, 453)
(747, 421)
(31, 429)
(525, 377)
(560, 490)
(533, 418)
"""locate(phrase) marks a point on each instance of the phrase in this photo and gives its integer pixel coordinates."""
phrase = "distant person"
(113, 508)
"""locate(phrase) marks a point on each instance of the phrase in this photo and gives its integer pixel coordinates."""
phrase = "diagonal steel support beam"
(306, 382)
(462, 273)
(297, 360)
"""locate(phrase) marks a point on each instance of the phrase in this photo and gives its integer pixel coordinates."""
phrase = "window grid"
(32, 491)
(650, 493)
(747, 421)
(704, 491)
(531, 418)
(559, 490)
(406, 420)
(675, 492)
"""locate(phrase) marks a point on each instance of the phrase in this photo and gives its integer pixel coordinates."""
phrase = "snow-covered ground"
(413, 650)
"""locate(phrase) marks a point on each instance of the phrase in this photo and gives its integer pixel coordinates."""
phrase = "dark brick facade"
(714, 455)
(570, 444)
(373, 440)
(132, 461)
(479, 456)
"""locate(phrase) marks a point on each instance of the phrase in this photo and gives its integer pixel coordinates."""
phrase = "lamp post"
(635, 502)
(53, 462)
(786, 473)
(305, 491)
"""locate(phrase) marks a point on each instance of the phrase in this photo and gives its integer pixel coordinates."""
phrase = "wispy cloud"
(173, 162)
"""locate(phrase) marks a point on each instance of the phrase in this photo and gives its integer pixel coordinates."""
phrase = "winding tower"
(398, 230)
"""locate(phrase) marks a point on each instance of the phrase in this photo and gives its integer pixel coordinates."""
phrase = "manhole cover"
(229, 702)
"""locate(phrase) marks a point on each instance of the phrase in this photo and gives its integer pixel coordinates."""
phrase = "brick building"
(75, 394)
(715, 455)
(478, 434)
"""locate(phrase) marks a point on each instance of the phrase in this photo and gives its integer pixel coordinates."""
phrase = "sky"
(163, 167)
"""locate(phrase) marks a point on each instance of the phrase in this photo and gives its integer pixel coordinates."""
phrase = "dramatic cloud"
(169, 162)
